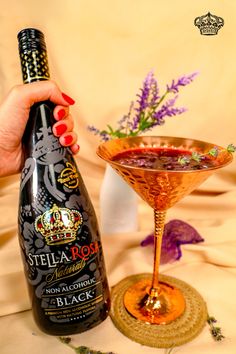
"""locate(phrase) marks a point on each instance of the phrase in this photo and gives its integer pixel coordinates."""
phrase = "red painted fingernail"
(68, 139)
(60, 129)
(75, 148)
(61, 113)
(68, 99)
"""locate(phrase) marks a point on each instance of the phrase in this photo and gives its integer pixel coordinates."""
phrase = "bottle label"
(69, 176)
(62, 264)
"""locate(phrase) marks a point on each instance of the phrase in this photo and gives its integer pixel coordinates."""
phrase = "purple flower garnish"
(176, 233)
(149, 110)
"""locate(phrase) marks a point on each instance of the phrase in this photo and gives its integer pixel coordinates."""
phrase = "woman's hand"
(14, 114)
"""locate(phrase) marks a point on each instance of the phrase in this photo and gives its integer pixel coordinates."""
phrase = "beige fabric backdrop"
(99, 53)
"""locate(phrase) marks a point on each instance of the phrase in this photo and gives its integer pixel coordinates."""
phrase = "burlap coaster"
(176, 333)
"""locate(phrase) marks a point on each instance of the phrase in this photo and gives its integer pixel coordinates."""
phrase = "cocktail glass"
(154, 301)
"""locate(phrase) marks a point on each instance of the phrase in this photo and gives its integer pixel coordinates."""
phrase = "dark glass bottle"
(58, 230)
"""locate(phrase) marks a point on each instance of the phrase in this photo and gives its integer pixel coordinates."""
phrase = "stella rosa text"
(52, 259)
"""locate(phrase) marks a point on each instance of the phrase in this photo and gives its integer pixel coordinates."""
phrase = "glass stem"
(159, 218)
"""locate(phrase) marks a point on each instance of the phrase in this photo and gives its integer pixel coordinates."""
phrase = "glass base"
(159, 306)
(184, 329)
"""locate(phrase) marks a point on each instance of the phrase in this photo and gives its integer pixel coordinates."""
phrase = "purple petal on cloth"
(176, 233)
(149, 240)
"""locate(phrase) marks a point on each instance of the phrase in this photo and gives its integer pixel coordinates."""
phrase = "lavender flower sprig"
(81, 349)
(215, 330)
(182, 81)
(149, 110)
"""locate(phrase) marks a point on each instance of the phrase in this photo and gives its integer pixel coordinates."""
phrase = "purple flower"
(176, 233)
(182, 81)
(147, 99)
(124, 123)
(93, 129)
(167, 110)
(103, 134)
(149, 110)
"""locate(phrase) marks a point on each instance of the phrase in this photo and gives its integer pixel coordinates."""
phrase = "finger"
(28, 94)
(68, 139)
(75, 148)
(60, 112)
(63, 126)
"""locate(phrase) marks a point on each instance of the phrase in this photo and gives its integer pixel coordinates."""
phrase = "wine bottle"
(58, 231)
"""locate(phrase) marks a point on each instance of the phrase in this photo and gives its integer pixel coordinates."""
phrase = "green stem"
(150, 113)
(127, 132)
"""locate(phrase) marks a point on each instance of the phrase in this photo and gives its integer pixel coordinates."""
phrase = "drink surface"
(162, 159)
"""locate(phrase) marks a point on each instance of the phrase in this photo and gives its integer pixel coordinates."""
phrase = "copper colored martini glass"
(154, 301)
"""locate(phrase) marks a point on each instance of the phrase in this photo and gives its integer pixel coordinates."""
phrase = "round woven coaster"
(176, 333)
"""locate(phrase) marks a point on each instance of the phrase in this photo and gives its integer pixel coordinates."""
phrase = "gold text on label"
(69, 176)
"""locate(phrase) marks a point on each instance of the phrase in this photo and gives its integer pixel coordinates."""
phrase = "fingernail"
(60, 129)
(68, 139)
(61, 113)
(68, 99)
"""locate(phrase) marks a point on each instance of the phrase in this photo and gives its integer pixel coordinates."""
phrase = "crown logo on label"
(209, 24)
(59, 225)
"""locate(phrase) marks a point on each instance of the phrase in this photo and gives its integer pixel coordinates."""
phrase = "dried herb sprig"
(149, 110)
(80, 349)
(184, 160)
(215, 330)
(169, 350)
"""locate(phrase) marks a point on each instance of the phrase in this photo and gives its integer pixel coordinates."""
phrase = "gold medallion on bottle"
(69, 176)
